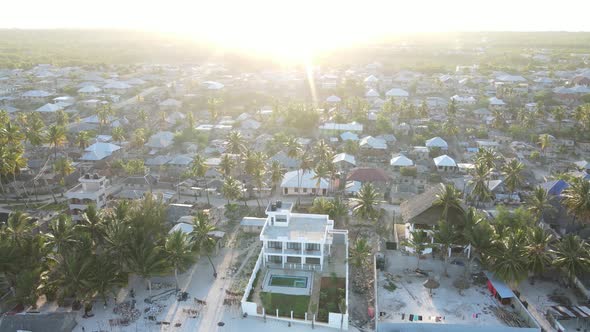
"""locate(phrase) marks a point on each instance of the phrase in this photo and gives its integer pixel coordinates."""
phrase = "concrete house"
(445, 163)
(92, 189)
(303, 183)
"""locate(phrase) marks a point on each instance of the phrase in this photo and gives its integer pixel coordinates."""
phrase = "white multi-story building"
(92, 189)
(294, 240)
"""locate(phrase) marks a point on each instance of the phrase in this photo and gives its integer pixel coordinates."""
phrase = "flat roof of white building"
(302, 227)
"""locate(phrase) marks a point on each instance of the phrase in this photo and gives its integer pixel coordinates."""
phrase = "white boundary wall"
(250, 307)
(334, 319)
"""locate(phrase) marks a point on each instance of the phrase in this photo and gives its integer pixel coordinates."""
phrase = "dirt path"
(247, 259)
(213, 311)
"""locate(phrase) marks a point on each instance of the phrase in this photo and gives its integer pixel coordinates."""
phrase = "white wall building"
(304, 183)
(294, 240)
(92, 189)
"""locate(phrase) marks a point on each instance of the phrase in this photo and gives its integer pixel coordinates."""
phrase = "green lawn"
(285, 303)
(297, 282)
(331, 291)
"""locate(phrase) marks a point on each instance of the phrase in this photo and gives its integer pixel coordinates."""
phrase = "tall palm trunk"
(149, 282)
(207, 193)
(176, 277)
(3, 190)
(298, 189)
(212, 265)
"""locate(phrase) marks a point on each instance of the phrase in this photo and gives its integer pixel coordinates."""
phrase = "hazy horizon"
(297, 28)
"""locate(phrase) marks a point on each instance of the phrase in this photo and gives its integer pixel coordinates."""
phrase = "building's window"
(312, 260)
(275, 244)
(313, 190)
(286, 191)
(304, 190)
(293, 245)
(296, 190)
(312, 246)
(275, 259)
(291, 259)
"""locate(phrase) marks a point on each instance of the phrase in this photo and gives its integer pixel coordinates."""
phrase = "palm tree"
(16, 160)
(232, 190)
(305, 165)
(512, 175)
(479, 234)
(480, 192)
(360, 253)
(198, 169)
(118, 134)
(577, 199)
(162, 119)
(82, 139)
(139, 137)
(544, 142)
(63, 167)
(213, 105)
(321, 205)
(190, 120)
(178, 252)
(142, 116)
(11, 134)
(117, 234)
(537, 250)
(418, 241)
(226, 165)
(93, 224)
(446, 235)
(235, 142)
(56, 136)
(18, 225)
(35, 134)
(487, 156)
(202, 238)
(321, 172)
(104, 114)
(339, 209)
(293, 147)
(539, 202)
(351, 147)
(276, 174)
(71, 276)
(559, 115)
(572, 255)
(367, 201)
(509, 258)
(449, 198)
(62, 235)
(258, 176)
(106, 275)
(499, 121)
(146, 260)
(322, 152)
(62, 118)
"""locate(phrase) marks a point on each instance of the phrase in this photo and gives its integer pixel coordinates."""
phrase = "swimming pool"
(288, 281)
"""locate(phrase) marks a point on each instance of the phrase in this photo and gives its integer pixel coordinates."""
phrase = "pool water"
(288, 281)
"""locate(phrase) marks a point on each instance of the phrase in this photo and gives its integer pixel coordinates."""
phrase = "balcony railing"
(293, 251)
(312, 252)
(273, 250)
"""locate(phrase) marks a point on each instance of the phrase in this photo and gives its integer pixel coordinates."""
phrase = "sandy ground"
(411, 297)
(539, 298)
(197, 282)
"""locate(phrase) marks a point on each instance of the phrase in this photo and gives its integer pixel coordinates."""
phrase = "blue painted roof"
(555, 187)
(501, 288)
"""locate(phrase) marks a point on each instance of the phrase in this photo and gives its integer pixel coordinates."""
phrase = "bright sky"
(297, 24)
